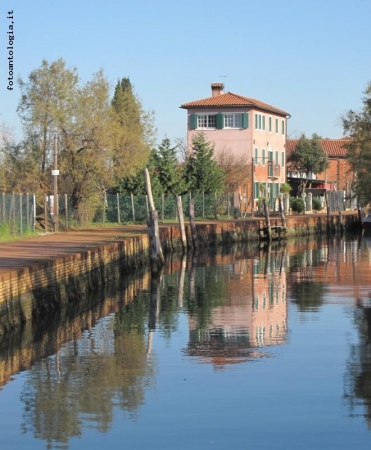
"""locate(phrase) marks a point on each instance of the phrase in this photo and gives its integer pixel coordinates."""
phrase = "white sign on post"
(55, 172)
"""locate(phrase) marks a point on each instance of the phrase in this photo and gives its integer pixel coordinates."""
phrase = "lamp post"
(55, 173)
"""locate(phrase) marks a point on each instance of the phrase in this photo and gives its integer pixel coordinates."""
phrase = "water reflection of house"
(254, 315)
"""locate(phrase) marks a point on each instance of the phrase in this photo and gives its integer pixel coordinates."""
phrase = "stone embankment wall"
(46, 286)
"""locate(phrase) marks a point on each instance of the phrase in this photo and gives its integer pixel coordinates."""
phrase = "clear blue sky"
(310, 58)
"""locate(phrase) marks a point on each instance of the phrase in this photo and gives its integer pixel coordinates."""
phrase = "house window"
(233, 120)
(263, 157)
(276, 157)
(283, 127)
(283, 159)
(276, 125)
(259, 122)
(270, 124)
(206, 120)
(256, 155)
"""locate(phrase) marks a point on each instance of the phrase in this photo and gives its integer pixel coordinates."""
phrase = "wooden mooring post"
(156, 254)
(179, 207)
(267, 221)
(192, 222)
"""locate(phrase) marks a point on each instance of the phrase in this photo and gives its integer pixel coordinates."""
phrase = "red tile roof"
(332, 147)
(229, 99)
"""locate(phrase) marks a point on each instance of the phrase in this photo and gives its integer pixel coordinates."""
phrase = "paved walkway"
(26, 252)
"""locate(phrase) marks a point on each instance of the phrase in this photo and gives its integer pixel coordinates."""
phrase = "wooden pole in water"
(267, 221)
(192, 221)
(179, 207)
(328, 211)
(282, 212)
(156, 255)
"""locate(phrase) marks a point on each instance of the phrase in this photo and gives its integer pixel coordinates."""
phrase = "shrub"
(316, 204)
(297, 205)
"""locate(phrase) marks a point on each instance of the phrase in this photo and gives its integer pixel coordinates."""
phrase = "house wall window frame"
(283, 126)
(256, 155)
(283, 159)
(276, 125)
(259, 121)
(206, 121)
(233, 120)
(270, 124)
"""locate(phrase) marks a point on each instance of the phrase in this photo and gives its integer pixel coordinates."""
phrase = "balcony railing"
(274, 170)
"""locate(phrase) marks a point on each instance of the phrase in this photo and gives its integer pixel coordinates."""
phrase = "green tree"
(308, 157)
(357, 125)
(135, 128)
(202, 173)
(167, 168)
(47, 103)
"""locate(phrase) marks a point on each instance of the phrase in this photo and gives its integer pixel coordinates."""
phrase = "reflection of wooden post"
(154, 307)
(156, 255)
(181, 281)
(267, 221)
(179, 207)
(192, 221)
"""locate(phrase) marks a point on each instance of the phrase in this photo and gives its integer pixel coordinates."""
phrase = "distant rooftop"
(220, 99)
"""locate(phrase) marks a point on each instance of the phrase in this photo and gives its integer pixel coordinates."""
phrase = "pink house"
(253, 131)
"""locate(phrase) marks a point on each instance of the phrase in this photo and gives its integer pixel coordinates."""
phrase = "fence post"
(104, 207)
(118, 208)
(203, 205)
(162, 206)
(4, 214)
(45, 213)
(66, 211)
(132, 206)
(20, 214)
(27, 211)
(33, 212)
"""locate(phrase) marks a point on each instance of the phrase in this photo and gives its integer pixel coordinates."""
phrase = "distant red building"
(337, 177)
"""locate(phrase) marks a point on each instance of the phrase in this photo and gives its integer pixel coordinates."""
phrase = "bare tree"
(236, 167)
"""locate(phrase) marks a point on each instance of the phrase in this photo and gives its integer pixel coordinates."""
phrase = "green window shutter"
(220, 121)
(193, 121)
(256, 189)
(263, 126)
(245, 120)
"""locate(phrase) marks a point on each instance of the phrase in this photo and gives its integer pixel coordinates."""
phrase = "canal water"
(250, 348)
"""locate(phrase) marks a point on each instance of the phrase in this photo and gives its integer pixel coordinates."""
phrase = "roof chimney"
(216, 89)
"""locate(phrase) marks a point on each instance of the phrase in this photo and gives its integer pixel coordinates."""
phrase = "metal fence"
(17, 213)
(20, 213)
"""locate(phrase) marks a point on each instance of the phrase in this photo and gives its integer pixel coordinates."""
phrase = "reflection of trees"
(308, 295)
(358, 374)
(208, 292)
(80, 386)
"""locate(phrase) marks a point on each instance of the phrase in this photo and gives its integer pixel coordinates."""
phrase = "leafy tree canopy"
(357, 125)
(308, 157)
